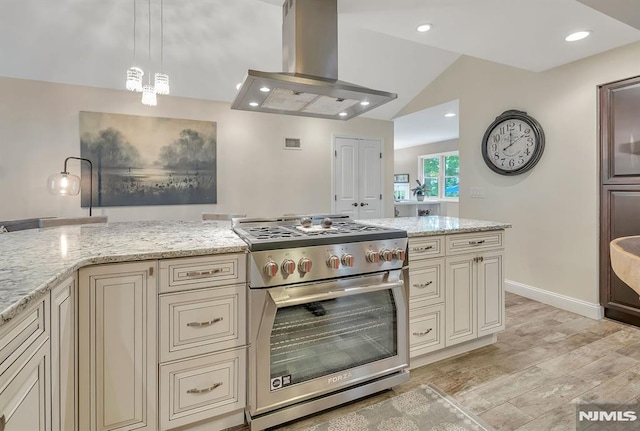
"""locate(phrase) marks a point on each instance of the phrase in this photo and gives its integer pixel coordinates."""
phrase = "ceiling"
(209, 44)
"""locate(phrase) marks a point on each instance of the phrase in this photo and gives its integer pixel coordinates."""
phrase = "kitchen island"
(81, 302)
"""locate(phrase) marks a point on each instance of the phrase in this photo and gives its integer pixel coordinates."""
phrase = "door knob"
(355, 204)
(362, 204)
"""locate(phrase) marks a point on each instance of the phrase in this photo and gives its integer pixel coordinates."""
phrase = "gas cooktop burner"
(287, 232)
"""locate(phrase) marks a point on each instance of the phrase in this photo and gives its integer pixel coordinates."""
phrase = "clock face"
(512, 145)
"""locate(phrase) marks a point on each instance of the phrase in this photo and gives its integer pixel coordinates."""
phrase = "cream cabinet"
(202, 341)
(456, 285)
(25, 392)
(474, 285)
(64, 358)
(117, 347)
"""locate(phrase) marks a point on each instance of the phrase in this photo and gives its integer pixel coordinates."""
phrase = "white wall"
(553, 244)
(405, 161)
(39, 128)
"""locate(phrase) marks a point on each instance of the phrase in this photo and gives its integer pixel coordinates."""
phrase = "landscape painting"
(147, 160)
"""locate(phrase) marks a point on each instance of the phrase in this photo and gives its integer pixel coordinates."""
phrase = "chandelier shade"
(161, 83)
(134, 79)
(149, 95)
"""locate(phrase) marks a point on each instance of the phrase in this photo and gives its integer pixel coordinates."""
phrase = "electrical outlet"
(476, 192)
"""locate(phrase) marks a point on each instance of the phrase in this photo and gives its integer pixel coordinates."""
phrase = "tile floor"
(546, 360)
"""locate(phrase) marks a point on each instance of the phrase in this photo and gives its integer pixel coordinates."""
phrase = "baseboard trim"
(587, 309)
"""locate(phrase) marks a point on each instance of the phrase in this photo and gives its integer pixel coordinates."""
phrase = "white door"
(358, 177)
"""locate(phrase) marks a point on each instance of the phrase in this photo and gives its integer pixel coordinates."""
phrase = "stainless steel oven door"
(317, 338)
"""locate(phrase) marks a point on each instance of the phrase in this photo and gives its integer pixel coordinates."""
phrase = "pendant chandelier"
(135, 74)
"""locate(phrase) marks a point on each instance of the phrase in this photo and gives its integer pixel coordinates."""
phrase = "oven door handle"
(286, 297)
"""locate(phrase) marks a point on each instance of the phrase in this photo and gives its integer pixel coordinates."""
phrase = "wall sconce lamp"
(66, 184)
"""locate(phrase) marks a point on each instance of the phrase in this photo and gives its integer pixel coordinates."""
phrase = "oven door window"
(320, 338)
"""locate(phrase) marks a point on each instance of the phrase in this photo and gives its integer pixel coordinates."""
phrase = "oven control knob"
(398, 254)
(373, 256)
(348, 259)
(386, 255)
(270, 268)
(333, 262)
(288, 266)
(304, 265)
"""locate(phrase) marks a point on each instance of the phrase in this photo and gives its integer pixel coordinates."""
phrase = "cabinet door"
(460, 293)
(490, 293)
(25, 398)
(64, 356)
(117, 347)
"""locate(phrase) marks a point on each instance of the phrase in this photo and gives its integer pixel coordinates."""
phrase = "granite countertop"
(436, 225)
(35, 260)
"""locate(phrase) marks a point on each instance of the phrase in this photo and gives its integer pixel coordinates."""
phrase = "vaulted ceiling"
(209, 44)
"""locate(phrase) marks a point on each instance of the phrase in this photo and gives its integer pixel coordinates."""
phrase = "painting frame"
(401, 178)
(143, 160)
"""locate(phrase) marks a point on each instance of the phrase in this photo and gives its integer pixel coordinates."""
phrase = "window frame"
(441, 173)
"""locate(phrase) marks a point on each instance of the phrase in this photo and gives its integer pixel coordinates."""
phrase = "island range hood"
(309, 86)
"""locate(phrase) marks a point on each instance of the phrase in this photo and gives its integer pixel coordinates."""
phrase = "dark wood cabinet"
(619, 104)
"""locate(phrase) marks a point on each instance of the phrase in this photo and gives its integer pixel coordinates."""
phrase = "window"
(441, 174)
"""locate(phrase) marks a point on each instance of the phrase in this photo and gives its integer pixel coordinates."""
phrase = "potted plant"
(421, 191)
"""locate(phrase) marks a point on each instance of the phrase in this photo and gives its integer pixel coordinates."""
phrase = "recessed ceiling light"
(343, 114)
(579, 35)
(424, 27)
(238, 85)
(364, 103)
(450, 114)
(265, 89)
(253, 103)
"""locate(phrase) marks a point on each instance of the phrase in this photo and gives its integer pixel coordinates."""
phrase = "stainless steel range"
(328, 314)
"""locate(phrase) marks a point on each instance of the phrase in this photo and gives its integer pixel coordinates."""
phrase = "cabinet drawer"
(471, 242)
(202, 321)
(426, 286)
(197, 272)
(426, 330)
(423, 248)
(18, 334)
(202, 388)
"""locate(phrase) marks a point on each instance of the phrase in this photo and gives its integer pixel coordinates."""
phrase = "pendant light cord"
(162, 36)
(134, 32)
(149, 75)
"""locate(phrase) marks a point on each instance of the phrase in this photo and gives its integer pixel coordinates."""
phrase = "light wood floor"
(545, 361)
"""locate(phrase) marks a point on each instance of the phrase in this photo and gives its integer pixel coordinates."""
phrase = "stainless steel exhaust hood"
(309, 86)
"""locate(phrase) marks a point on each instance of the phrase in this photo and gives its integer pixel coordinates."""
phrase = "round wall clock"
(513, 143)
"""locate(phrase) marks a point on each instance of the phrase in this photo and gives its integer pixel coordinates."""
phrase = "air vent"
(292, 144)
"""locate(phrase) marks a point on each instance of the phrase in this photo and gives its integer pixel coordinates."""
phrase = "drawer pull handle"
(205, 390)
(201, 324)
(420, 286)
(476, 242)
(204, 273)
(429, 247)
(419, 334)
